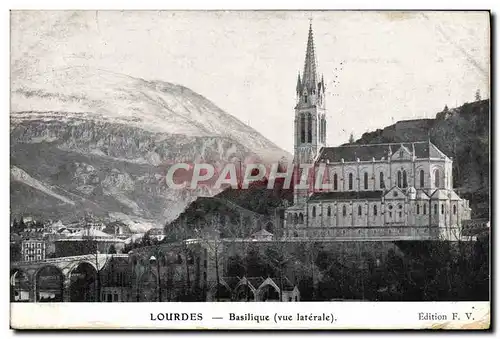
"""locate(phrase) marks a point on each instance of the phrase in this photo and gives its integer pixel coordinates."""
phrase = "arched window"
(314, 211)
(405, 180)
(435, 208)
(295, 219)
(436, 178)
(360, 211)
(329, 211)
(321, 129)
(418, 209)
(301, 218)
(309, 128)
(350, 181)
(324, 129)
(425, 208)
(399, 179)
(382, 183)
(344, 211)
(335, 185)
(422, 178)
(375, 210)
(454, 209)
(366, 180)
(302, 127)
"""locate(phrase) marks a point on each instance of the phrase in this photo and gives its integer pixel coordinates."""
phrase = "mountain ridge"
(110, 142)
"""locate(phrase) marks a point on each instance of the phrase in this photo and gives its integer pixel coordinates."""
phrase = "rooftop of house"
(262, 233)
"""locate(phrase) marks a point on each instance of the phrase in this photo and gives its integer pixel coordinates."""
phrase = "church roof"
(439, 194)
(348, 195)
(367, 152)
(231, 281)
(454, 196)
(421, 195)
(442, 194)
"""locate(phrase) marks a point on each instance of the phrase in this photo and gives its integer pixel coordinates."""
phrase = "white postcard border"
(253, 315)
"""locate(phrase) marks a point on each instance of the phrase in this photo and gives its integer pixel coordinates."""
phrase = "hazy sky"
(395, 65)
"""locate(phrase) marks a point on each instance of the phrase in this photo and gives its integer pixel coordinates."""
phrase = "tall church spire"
(310, 114)
(309, 75)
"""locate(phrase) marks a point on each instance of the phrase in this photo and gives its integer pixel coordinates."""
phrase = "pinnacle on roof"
(299, 84)
(309, 75)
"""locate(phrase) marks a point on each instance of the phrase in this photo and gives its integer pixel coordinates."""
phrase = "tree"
(15, 251)
(22, 225)
(210, 235)
(446, 109)
(181, 234)
(278, 258)
(478, 95)
(112, 249)
(351, 138)
(305, 268)
(146, 240)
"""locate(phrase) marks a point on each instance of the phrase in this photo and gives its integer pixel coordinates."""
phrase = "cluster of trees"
(431, 271)
(144, 241)
(411, 271)
(421, 271)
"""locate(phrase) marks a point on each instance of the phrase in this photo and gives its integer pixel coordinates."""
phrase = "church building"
(398, 191)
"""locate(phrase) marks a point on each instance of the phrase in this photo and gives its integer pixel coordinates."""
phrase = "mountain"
(462, 133)
(85, 139)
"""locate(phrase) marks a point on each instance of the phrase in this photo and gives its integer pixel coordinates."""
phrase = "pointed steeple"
(299, 85)
(309, 75)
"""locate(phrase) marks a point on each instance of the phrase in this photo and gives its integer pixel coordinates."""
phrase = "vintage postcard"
(250, 169)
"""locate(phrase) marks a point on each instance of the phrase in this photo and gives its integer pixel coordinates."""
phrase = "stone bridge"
(58, 279)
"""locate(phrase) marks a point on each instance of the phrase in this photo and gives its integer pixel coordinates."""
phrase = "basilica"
(397, 191)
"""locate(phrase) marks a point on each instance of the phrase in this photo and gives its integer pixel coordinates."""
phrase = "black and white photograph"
(256, 169)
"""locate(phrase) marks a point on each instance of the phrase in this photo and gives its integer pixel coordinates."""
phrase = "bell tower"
(310, 118)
